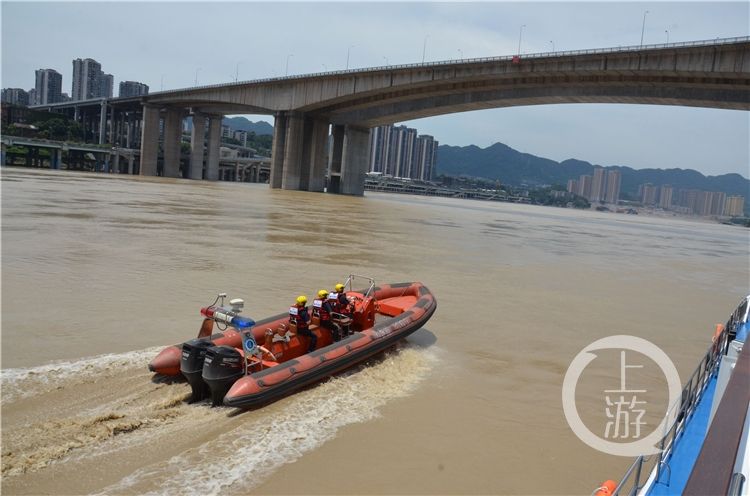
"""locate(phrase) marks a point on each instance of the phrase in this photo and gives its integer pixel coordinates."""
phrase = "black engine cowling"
(191, 366)
(222, 366)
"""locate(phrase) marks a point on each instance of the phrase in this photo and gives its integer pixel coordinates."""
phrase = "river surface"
(100, 272)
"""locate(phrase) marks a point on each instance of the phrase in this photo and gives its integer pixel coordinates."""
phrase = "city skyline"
(638, 136)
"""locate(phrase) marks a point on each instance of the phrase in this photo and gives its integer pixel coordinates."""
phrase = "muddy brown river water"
(99, 272)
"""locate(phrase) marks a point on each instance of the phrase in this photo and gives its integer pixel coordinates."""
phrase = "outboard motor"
(222, 367)
(191, 366)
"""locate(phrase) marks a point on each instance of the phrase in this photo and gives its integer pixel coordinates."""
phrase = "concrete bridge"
(339, 107)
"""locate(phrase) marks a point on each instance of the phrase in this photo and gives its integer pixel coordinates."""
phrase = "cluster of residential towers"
(89, 81)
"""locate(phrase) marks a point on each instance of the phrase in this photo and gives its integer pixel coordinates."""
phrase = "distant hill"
(512, 167)
(244, 124)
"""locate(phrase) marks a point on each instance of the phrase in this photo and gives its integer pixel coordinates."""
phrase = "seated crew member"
(344, 305)
(322, 309)
(299, 316)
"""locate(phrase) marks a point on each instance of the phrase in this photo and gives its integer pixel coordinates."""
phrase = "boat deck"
(677, 469)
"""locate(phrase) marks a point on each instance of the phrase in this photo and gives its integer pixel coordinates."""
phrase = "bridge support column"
(129, 131)
(172, 142)
(130, 162)
(197, 143)
(213, 151)
(102, 123)
(334, 159)
(149, 140)
(292, 172)
(116, 163)
(56, 159)
(278, 149)
(355, 157)
(315, 154)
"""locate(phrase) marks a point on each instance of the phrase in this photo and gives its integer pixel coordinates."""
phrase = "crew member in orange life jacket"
(322, 309)
(299, 316)
(343, 302)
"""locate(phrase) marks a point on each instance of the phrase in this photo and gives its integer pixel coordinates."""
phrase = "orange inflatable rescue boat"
(248, 363)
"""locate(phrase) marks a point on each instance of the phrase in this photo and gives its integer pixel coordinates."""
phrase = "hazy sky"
(174, 42)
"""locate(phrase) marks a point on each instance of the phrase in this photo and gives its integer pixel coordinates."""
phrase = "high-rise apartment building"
(398, 151)
(599, 185)
(426, 156)
(403, 145)
(106, 86)
(584, 186)
(132, 88)
(734, 206)
(572, 186)
(688, 198)
(718, 200)
(89, 81)
(665, 197)
(48, 86)
(241, 136)
(710, 203)
(15, 96)
(226, 131)
(613, 186)
(649, 194)
(379, 142)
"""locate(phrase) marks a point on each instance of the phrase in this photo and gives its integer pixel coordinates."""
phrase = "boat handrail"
(713, 472)
(678, 414)
(350, 279)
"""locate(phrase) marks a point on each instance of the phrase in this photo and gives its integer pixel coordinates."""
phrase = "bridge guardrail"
(502, 58)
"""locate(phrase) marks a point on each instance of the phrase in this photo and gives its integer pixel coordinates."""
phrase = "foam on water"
(243, 457)
(24, 382)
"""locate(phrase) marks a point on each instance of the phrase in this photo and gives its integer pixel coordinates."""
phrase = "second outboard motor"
(221, 368)
(191, 366)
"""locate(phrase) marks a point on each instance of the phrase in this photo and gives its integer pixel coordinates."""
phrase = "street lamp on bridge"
(286, 72)
(424, 47)
(196, 75)
(348, 51)
(643, 27)
(520, 33)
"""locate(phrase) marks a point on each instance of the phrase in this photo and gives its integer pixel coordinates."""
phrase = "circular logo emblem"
(620, 409)
(249, 343)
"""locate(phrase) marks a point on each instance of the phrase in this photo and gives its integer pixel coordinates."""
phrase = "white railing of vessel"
(678, 415)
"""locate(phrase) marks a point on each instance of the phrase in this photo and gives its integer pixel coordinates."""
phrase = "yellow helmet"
(302, 300)
(339, 288)
(322, 293)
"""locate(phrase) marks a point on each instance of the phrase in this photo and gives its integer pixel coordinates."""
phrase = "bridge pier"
(298, 160)
(56, 155)
(213, 149)
(103, 123)
(354, 160)
(315, 153)
(149, 140)
(197, 139)
(292, 171)
(335, 157)
(116, 163)
(172, 142)
(278, 149)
